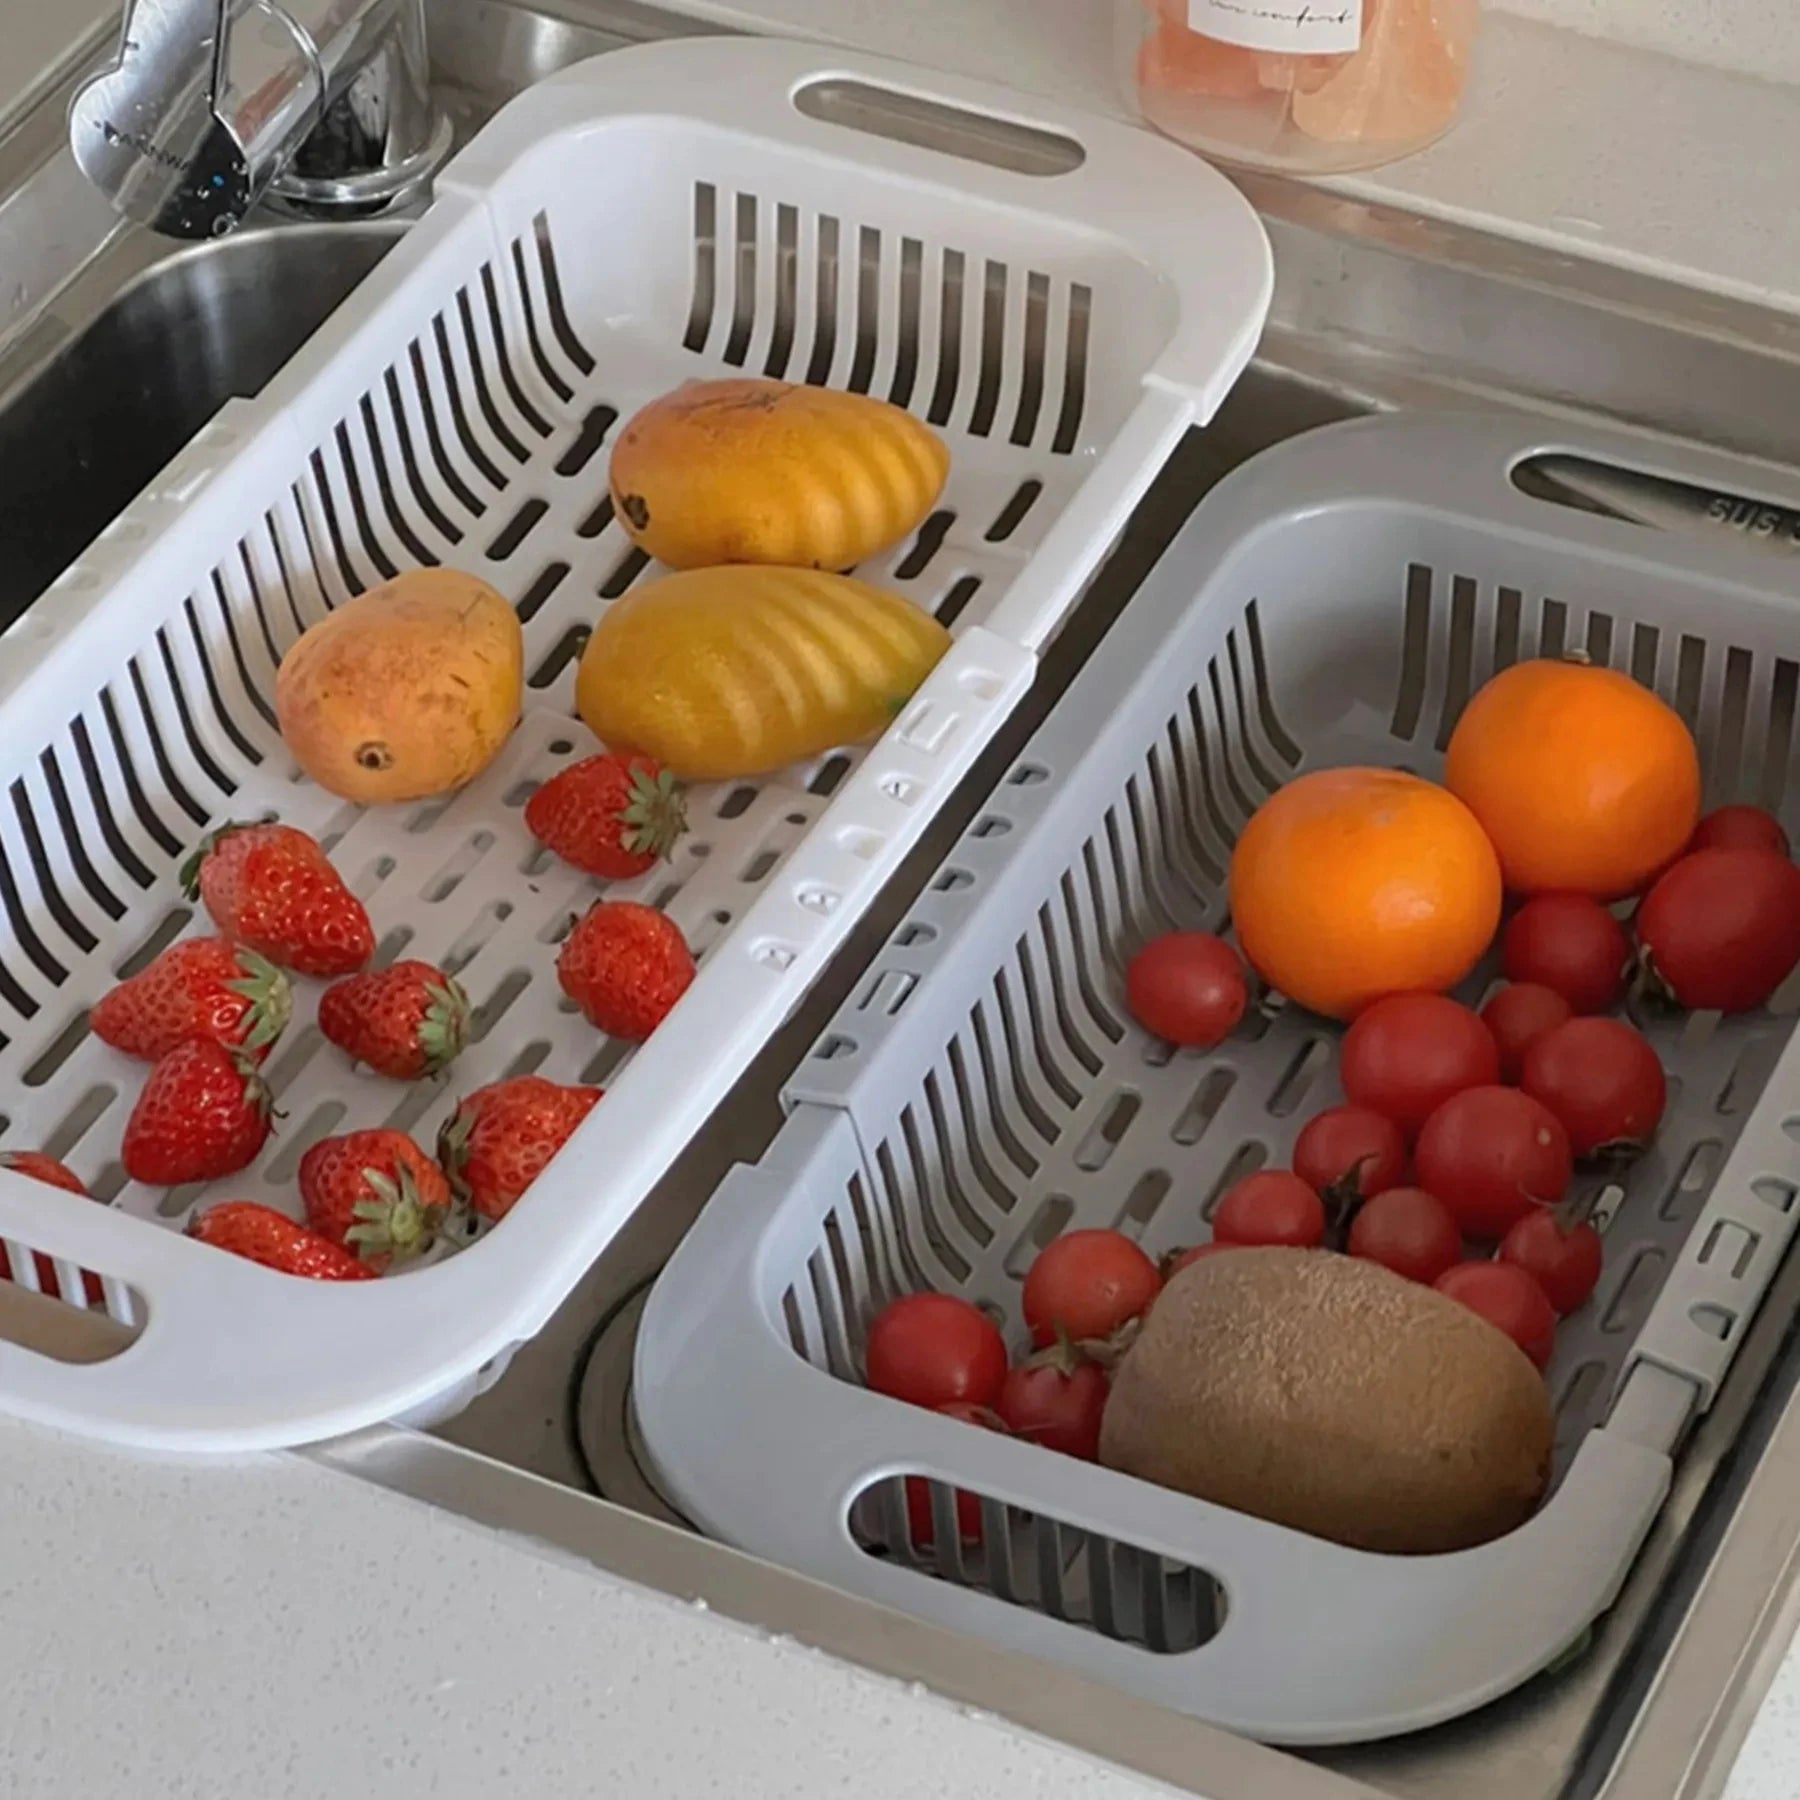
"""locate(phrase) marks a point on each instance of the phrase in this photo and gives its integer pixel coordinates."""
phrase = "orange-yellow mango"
(406, 691)
(752, 471)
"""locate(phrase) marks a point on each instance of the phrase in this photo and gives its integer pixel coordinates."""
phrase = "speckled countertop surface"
(275, 1628)
(276, 1631)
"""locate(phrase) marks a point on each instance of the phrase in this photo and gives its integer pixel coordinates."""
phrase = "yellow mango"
(725, 672)
(406, 691)
(751, 471)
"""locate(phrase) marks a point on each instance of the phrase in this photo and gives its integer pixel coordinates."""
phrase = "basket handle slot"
(1659, 501)
(65, 1333)
(902, 118)
(1134, 1596)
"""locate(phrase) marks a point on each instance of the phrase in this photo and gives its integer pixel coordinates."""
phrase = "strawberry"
(625, 965)
(375, 1192)
(610, 816)
(271, 887)
(273, 1239)
(406, 1021)
(202, 987)
(496, 1143)
(204, 1113)
(34, 1165)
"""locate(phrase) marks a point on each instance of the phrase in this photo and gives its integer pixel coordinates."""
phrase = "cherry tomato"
(1350, 1150)
(1740, 828)
(1519, 1014)
(919, 1521)
(1602, 1079)
(1507, 1297)
(1087, 1284)
(1273, 1206)
(935, 1350)
(1564, 1260)
(1571, 944)
(1188, 987)
(1405, 1056)
(1409, 1231)
(1720, 931)
(1056, 1405)
(1491, 1154)
(1177, 1260)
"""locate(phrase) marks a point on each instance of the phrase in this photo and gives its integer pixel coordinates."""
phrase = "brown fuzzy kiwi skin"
(1326, 1393)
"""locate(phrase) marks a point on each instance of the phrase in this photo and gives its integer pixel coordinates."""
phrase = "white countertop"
(277, 1631)
(272, 1627)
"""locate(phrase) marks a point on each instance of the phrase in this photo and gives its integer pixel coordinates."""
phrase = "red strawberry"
(406, 1021)
(202, 987)
(611, 816)
(625, 965)
(36, 1166)
(273, 888)
(273, 1239)
(204, 1113)
(375, 1192)
(496, 1143)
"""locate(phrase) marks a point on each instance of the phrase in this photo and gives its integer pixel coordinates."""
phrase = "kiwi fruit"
(1326, 1393)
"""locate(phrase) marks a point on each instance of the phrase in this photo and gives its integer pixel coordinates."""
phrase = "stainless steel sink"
(120, 346)
(88, 428)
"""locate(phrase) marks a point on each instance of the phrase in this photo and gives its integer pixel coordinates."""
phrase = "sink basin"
(127, 354)
(82, 435)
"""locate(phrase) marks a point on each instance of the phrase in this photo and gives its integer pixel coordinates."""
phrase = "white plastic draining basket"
(686, 210)
(1336, 601)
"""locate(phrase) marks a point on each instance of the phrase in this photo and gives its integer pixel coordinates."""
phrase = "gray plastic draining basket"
(1336, 601)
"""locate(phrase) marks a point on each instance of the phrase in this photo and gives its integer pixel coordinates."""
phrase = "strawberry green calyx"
(258, 1095)
(271, 998)
(444, 1031)
(655, 816)
(453, 1149)
(393, 1223)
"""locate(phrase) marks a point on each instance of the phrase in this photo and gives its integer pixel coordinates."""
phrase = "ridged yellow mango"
(750, 471)
(719, 673)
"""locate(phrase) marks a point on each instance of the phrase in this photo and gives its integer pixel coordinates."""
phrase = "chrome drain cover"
(605, 1424)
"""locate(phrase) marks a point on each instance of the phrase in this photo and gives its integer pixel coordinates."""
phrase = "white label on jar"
(1322, 28)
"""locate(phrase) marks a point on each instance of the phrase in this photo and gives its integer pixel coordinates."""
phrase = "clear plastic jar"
(1300, 88)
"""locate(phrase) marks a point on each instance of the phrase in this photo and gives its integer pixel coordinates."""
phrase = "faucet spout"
(211, 104)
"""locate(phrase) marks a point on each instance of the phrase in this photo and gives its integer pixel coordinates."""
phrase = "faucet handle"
(196, 116)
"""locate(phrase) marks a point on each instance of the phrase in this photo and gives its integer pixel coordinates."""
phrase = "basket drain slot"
(1036, 1561)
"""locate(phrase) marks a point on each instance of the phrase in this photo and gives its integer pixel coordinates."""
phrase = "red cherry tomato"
(1406, 1055)
(1057, 1407)
(1177, 1260)
(1188, 987)
(1740, 828)
(935, 1350)
(1087, 1284)
(1564, 1260)
(1570, 944)
(1350, 1150)
(1720, 931)
(1409, 1231)
(1273, 1206)
(919, 1520)
(1491, 1154)
(1518, 1015)
(1602, 1079)
(1507, 1297)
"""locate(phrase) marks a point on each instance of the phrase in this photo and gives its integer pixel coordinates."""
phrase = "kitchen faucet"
(322, 105)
